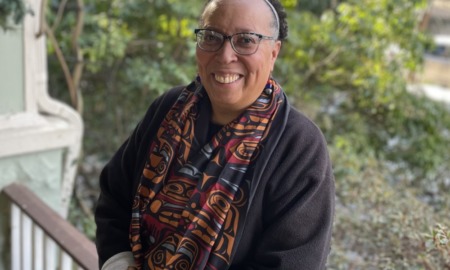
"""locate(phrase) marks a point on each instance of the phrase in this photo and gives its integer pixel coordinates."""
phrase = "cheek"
(202, 58)
(259, 67)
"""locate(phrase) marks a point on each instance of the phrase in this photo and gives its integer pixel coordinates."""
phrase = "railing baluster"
(66, 261)
(38, 248)
(50, 254)
(15, 237)
(27, 247)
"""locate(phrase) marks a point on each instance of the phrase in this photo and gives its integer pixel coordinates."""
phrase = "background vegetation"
(346, 64)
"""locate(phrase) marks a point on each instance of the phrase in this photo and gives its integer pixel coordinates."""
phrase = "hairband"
(275, 13)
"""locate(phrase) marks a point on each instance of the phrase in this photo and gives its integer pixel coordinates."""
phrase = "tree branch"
(327, 60)
(64, 66)
(72, 80)
(78, 69)
(59, 14)
(42, 24)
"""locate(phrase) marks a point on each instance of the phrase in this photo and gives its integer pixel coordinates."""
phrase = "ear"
(275, 51)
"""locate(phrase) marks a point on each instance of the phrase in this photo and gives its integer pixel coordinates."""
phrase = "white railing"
(41, 239)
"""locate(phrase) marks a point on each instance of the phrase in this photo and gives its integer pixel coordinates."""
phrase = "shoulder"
(301, 133)
(301, 155)
(299, 164)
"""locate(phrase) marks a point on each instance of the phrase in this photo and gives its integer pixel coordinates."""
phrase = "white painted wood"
(38, 247)
(30, 51)
(21, 120)
(15, 237)
(27, 237)
(51, 250)
(54, 135)
(36, 85)
(45, 124)
(66, 261)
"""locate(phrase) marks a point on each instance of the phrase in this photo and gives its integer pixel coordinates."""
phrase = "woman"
(222, 173)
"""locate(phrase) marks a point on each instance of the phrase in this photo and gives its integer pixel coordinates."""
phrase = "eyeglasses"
(242, 43)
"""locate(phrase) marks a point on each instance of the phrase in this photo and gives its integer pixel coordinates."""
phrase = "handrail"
(70, 240)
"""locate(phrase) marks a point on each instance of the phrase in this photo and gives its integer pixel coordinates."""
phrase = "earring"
(268, 91)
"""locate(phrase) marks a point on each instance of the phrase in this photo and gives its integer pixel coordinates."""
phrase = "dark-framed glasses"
(242, 43)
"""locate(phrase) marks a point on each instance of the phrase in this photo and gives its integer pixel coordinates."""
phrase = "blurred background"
(373, 74)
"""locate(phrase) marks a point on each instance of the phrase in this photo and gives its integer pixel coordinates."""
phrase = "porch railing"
(42, 239)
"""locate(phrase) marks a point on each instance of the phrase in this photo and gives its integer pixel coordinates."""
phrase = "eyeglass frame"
(229, 38)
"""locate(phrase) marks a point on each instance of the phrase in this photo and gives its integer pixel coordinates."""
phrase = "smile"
(228, 78)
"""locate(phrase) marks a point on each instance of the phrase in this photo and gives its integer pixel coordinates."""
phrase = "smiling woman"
(234, 80)
(222, 173)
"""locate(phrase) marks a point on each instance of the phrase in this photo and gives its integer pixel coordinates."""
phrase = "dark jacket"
(291, 205)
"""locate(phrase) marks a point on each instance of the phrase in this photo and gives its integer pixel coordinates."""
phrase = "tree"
(133, 51)
(351, 62)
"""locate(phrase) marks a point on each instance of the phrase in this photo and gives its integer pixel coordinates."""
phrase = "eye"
(212, 37)
(246, 40)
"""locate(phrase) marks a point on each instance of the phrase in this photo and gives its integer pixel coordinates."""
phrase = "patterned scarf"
(190, 202)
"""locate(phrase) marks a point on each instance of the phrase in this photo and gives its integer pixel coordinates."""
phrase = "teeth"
(229, 78)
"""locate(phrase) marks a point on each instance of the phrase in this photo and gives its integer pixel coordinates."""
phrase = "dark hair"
(283, 26)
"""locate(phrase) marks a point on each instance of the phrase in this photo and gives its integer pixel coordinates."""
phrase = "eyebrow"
(240, 30)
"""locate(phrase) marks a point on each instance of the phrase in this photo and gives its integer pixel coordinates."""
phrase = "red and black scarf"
(191, 201)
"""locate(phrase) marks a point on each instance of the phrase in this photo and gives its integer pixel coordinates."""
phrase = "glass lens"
(245, 43)
(209, 40)
(242, 43)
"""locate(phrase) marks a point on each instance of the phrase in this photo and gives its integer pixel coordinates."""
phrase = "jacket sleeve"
(119, 180)
(298, 204)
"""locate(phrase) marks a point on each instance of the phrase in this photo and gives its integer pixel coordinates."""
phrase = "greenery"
(346, 64)
(12, 13)
(348, 68)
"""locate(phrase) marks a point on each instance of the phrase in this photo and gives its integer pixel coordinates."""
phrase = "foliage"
(351, 65)
(14, 10)
(348, 68)
(133, 51)
(345, 64)
(380, 225)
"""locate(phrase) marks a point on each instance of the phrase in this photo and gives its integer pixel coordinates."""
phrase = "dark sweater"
(291, 205)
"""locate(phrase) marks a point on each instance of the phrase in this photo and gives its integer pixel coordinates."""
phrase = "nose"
(226, 54)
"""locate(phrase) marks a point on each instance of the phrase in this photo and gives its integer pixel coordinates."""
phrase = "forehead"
(237, 15)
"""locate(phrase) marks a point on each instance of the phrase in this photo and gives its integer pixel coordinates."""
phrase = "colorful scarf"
(191, 200)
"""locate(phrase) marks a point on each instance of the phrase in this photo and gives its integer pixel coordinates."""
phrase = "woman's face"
(233, 82)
